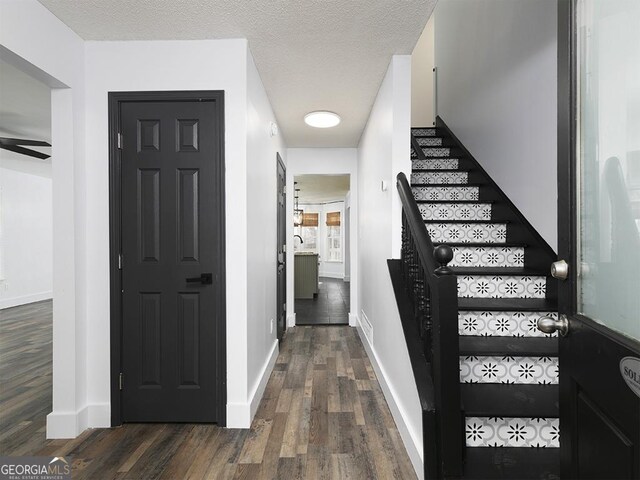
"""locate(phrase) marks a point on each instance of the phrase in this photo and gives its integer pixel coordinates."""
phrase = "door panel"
(282, 255)
(171, 233)
(598, 235)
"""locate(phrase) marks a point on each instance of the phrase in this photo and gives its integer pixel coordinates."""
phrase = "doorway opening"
(322, 213)
(26, 260)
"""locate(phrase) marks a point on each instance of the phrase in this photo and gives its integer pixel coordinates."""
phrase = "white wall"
(323, 161)
(33, 40)
(383, 152)
(422, 63)
(262, 344)
(168, 65)
(497, 88)
(26, 237)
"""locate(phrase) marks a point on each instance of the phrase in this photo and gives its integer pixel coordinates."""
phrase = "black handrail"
(432, 288)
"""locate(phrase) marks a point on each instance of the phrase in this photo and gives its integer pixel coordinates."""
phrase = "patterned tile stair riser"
(446, 193)
(501, 286)
(424, 132)
(502, 324)
(506, 369)
(455, 211)
(487, 257)
(430, 142)
(436, 164)
(452, 178)
(512, 432)
(436, 152)
(467, 232)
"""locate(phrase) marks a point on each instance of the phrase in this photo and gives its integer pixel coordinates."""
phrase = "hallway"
(323, 416)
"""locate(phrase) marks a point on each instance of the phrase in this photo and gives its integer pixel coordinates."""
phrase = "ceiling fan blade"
(25, 151)
(22, 141)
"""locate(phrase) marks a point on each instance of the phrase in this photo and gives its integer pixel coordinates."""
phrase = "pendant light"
(298, 213)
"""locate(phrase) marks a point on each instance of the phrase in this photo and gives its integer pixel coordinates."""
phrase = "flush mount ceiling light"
(322, 119)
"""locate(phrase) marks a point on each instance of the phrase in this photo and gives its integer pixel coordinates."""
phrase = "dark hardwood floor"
(330, 307)
(323, 416)
(25, 377)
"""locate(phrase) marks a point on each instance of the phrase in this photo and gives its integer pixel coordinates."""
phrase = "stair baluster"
(432, 289)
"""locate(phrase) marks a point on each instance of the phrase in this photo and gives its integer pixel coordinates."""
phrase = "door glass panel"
(608, 42)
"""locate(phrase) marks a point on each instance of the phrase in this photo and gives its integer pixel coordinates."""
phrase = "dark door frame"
(280, 334)
(116, 99)
(568, 207)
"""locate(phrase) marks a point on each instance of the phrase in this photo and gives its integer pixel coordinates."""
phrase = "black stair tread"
(508, 304)
(510, 463)
(448, 184)
(509, 400)
(519, 271)
(469, 222)
(441, 170)
(471, 202)
(481, 244)
(508, 346)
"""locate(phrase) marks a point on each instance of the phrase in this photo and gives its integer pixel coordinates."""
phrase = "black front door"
(599, 237)
(282, 249)
(172, 234)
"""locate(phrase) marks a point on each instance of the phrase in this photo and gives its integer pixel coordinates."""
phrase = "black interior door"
(172, 231)
(282, 255)
(599, 237)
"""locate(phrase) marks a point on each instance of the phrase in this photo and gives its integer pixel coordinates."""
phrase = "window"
(309, 232)
(334, 237)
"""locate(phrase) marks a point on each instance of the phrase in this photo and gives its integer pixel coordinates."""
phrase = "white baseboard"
(72, 424)
(240, 415)
(353, 320)
(410, 438)
(261, 384)
(347, 278)
(25, 299)
(291, 320)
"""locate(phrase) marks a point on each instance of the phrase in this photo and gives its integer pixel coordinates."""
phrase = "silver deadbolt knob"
(551, 325)
(560, 270)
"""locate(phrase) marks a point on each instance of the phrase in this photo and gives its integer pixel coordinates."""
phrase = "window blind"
(309, 219)
(333, 219)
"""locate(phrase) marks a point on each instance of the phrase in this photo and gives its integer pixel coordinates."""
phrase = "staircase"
(508, 368)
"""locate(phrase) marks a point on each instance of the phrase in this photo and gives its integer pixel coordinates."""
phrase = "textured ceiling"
(322, 188)
(312, 54)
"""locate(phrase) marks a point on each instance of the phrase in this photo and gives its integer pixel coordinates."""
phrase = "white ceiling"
(311, 54)
(321, 188)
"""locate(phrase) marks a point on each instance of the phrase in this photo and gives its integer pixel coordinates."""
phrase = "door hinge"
(284, 248)
(284, 307)
(120, 380)
(119, 261)
(119, 140)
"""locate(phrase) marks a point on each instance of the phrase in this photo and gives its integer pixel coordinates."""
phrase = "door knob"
(204, 279)
(551, 325)
(560, 270)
